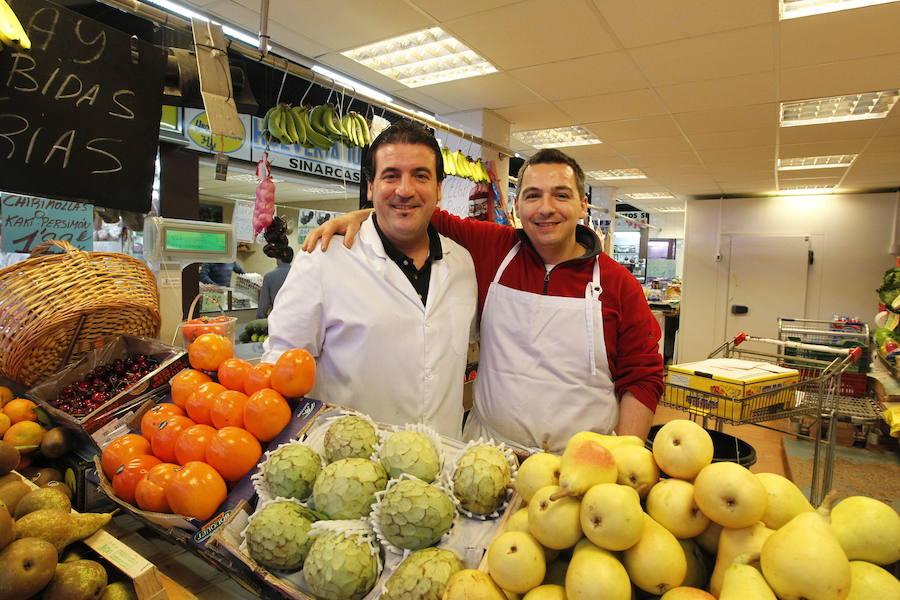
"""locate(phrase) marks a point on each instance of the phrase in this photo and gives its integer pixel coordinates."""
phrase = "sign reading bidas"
(79, 111)
(29, 221)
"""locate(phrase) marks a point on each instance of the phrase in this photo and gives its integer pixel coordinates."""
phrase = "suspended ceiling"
(687, 91)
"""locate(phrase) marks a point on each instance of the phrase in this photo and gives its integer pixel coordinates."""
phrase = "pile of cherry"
(102, 383)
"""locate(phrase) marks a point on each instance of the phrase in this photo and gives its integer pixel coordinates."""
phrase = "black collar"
(435, 252)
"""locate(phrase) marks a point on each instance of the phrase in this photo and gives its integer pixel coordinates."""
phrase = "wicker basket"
(56, 307)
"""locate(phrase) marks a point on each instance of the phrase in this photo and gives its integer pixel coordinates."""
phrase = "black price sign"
(79, 111)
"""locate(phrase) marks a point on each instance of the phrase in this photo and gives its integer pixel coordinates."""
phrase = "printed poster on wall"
(242, 219)
(310, 219)
(196, 130)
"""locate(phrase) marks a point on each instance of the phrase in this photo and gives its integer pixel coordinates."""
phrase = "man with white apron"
(568, 342)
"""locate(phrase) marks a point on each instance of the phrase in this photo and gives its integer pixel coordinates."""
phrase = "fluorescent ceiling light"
(422, 58)
(557, 138)
(178, 9)
(649, 195)
(816, 162)
(805, 190)
(793, 9)
(670, 209)
(611, 174)
(353, 85)
(855, 107)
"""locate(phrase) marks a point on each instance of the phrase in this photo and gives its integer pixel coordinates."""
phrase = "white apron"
(543, 374)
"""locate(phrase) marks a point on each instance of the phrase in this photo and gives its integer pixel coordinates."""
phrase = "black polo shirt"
(419, 278)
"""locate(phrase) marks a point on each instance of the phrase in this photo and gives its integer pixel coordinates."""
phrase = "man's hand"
(634, 417)
(347, 225)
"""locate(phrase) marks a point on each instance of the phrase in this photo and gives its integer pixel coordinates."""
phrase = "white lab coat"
(378, 349)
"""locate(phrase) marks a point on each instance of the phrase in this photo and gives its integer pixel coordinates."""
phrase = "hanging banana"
(12, 33)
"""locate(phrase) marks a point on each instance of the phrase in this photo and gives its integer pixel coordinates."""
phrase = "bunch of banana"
(11, 32)
(459, 165)
(323, 119)
(290, 126)
(355, 129)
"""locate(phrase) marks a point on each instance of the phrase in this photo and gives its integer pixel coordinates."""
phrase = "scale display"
(196, 240)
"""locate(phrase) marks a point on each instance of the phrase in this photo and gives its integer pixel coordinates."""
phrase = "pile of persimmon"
(211, 434)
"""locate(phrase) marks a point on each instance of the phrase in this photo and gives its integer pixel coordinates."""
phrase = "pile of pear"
(602, 524)
(37, 525)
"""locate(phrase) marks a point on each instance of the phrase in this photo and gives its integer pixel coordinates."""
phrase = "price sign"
(29, 221)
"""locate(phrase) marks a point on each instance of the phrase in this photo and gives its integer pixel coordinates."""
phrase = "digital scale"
(172, 244)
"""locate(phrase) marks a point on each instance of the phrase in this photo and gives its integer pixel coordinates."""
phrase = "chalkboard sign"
(79, 112)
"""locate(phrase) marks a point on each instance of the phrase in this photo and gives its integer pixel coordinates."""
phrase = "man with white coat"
(389, 319)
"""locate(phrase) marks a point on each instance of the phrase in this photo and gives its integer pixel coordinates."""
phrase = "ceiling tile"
(352, 69)
(246, 16)
(845, 146)
(586, 76)
(738, 155)
(877, 163)
(442, 10)
(749, 188)
(884, 143)
(828, 132)
(732, 139)
(674, 158)
(533, 32)
(845, 77)
(681, 171)
(590, 153)
(840, 35)
(643, 22)
(420, 98)
(891, 125)
(737, 52)
(605, 162)
(739, 171)
(652, 146)
(635, 129)
(758, 116)
(541, 115)
(742, 90)
(613, 107)
(486, 91)
(346, 25)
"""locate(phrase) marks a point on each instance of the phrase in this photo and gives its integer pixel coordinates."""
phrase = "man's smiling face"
(550, 209)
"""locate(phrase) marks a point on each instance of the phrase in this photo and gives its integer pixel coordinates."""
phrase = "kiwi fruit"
(9, 457)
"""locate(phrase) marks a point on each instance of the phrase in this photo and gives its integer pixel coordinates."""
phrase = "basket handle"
(44, 246)
(197, 299)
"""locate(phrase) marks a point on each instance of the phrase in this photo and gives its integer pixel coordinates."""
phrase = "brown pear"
(61, 486)
(12, 492)
(9, 457)
(6, 527)
(26, 566)
(58, 527)
(121, 590)
(43, 498)
(76, 580)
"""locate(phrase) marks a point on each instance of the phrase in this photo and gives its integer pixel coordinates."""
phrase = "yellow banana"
(298, 124)
(289, 128)
(11, 32)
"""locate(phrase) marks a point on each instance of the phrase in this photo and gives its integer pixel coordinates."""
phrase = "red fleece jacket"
(630, 330)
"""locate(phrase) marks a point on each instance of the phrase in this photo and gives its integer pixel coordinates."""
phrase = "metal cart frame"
(815, 395)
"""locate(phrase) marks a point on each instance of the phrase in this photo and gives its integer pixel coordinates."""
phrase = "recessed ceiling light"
(670, 209)
(855, 107)
(816, 162)
(611, 174)
(187, 13)
(422, 58)
(558, 137)
(649, 195)
(792, 9)
(799, 190)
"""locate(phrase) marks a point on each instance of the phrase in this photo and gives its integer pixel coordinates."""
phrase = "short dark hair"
(405, 132)
(555, 157)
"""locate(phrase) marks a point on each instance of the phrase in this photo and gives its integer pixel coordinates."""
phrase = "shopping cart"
(814, 394)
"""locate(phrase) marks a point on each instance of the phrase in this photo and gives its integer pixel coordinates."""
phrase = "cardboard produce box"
(731, 388)
(304, 413)
(120, 407)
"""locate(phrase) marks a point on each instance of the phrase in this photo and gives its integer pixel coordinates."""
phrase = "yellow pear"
(709, 538)
(671, 503)
(871, 582)
(611, 516)
(785, 500)
(681, 448)
(743, 582)
(607, 441)
(516, 562)
(656, 563)
(698, 567)
(595, 574)
(471, 584)
(867, 529)
(804, 560)
(687, 593)
(585, 463)
(518, 521)
(538, 470)
(554, 523)
(546, 592)
(636, 468)
(730, 494)
(733, 543)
